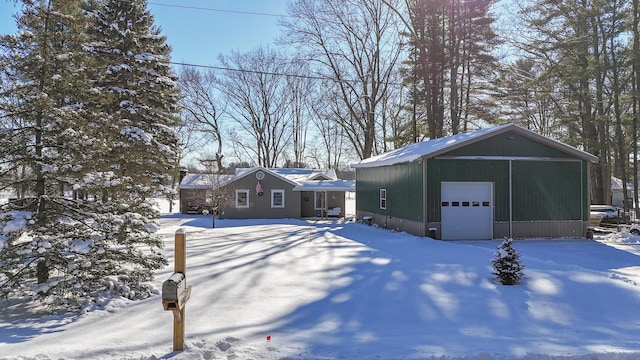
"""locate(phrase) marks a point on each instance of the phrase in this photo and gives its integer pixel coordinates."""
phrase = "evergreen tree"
(506, 264)
(42, 142)
(85, 149)
(138, 97)
(450, 53)
(135, 110)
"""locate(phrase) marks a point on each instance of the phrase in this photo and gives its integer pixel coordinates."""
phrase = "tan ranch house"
(262, 193)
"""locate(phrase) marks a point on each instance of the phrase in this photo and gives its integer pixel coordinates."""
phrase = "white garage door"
(467, 210)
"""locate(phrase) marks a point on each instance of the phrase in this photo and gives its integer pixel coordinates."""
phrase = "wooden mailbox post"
(176, 292)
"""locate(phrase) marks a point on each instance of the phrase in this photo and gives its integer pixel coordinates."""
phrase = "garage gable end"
(510, 144)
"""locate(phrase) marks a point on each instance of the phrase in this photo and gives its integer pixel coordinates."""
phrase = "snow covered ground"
(343, 290)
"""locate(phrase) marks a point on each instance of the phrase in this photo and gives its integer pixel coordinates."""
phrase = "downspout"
(585, 216)
(326, 204)
(425, 217)
(511, 199)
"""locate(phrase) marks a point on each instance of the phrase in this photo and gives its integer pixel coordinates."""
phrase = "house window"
(277, 198)
(383, 198)
(242, 198)
(319, 200)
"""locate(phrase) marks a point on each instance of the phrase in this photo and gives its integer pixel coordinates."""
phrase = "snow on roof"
(300, 178)
(326, 185)
(616, 184)
(291, 174)
(434, 147)
(299, 175)
(204, 181)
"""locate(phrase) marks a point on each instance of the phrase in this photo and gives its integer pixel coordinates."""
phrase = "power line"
(218, 10)
(260, 72)
(248, 71)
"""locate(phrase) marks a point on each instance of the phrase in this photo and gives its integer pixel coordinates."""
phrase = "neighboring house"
(267, 193)
(196, 191)
(617, 193)
(504, 181)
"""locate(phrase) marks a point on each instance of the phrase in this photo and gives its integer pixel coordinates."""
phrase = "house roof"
(204, 181)
(431, 148)
(300, 179)
(299, 175)
(616, 184)
(326, 185)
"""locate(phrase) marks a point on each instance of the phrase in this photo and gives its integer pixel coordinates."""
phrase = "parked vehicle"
(595, 219)
(608, 214)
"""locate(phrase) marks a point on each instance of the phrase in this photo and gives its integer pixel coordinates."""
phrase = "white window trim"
(241, 191)
(315, 200)
(383, 199)
(273, 192)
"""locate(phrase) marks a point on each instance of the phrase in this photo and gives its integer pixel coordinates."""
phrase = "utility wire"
(218, 10)
(260, 72)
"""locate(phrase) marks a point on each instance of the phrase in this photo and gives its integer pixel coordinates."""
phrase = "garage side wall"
(545, 190)
(404, 203)
(550, 199)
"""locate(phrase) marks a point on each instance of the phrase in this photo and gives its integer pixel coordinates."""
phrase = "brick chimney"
(183, 173)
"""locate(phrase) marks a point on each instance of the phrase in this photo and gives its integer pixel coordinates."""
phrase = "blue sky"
(199, 30)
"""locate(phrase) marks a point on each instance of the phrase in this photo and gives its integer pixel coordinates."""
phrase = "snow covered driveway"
(322, 289)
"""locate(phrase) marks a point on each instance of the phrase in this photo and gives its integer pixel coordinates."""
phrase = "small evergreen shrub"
(506, 264)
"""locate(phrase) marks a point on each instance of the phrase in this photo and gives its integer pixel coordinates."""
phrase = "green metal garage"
(486, 184)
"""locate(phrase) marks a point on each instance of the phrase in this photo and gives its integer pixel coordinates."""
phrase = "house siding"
(260, 206)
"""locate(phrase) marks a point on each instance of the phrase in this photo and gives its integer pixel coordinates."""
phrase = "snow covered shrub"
(506, 264)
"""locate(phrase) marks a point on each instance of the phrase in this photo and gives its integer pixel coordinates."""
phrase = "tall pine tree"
(85, 149)
(138, 97)
(42, 142)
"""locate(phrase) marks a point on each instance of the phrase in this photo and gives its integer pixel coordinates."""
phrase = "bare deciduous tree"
(300, 90)
(356, 45)
(202, 109)
(331, 142)
(451, 44)
(254, 85)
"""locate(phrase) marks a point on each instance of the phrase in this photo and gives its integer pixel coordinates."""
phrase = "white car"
(604, 211)
(607, 214)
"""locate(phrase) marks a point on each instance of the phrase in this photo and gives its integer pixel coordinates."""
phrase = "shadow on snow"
(407, 296)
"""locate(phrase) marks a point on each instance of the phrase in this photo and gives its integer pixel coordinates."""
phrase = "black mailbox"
(175, 292)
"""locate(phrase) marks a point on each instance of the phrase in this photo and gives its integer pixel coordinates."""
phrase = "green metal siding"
(544, 190)
(508, 144)
(439, 170)
(404, 187)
